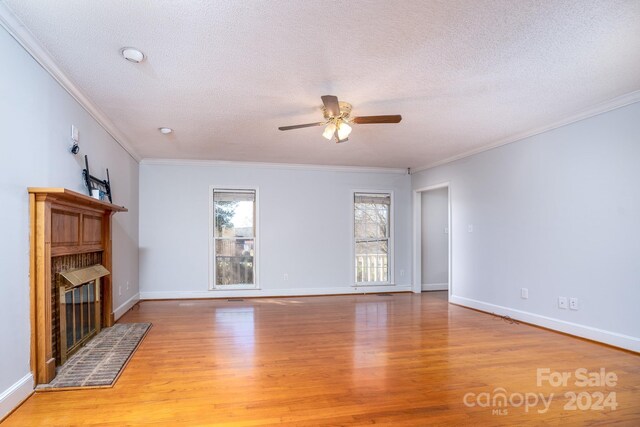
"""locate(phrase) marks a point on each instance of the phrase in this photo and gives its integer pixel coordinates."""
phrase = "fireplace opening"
(79, 292)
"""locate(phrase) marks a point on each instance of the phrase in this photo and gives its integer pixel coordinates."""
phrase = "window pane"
(234, 214)
(371, 221)
(234, 270)
(372, 261)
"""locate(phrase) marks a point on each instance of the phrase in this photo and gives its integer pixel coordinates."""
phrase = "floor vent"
(235, 300)
(384, 295)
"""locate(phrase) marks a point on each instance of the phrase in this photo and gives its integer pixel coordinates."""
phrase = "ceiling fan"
(338, 119)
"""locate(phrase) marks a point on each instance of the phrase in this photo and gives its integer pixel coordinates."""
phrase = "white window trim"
(392, 237)
(212, 243)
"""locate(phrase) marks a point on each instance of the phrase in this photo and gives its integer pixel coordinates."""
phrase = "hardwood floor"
(403, 359)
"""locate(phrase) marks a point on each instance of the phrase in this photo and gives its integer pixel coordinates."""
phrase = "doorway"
(432, 240)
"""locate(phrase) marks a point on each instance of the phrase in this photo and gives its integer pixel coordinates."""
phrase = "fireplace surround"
(69, 232)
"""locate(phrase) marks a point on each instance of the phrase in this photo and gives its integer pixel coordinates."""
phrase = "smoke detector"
(132, 54)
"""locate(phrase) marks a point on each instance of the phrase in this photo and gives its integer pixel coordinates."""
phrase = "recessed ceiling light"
(165, 131)
(132, 54)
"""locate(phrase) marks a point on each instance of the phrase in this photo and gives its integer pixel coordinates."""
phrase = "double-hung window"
(372, 236)
(234, 238)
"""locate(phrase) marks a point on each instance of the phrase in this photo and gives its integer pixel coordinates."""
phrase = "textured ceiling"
(226, 74)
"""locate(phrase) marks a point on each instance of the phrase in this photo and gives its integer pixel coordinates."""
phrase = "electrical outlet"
(573, 303)
(524, 293)
(470, 228)
(401, 273)
(286, 276)
(562, 303)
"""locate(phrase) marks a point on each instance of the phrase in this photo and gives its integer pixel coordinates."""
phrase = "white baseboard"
(126, 306)
(612, 338)
(435, 286)
(347, 290)
(15, 395)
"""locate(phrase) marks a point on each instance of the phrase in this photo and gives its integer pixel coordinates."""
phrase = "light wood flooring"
(403, 359)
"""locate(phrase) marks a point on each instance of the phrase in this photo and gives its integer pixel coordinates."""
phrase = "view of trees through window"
(234, 235)
(371, 229)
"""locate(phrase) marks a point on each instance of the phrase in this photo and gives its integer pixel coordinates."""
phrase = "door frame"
(417, 235)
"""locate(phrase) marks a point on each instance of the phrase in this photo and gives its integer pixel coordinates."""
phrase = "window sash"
(220, 195)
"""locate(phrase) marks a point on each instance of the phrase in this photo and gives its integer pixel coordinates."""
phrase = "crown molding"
(27, 40)
(603, 107)
(294, 166)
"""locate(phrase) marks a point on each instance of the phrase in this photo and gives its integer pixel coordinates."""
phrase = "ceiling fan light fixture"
(343, 130)
(329, 131)
(338, 120)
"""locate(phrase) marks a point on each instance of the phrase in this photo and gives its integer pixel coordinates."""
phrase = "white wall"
(435, 240)
(35, 117)
(305, 227)
(559, 214)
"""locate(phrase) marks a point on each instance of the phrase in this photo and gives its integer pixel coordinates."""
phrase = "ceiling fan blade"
(308, 125)
(367, 120)
(331, 105)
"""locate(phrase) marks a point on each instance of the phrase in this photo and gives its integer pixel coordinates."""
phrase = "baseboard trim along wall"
(288, 292)
(126, 306)
(435, 287)
(12, 397)
(612, 338)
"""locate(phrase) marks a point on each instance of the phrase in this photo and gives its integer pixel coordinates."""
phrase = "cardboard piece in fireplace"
(79, 307)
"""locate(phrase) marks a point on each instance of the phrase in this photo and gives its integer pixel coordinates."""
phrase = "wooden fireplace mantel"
(63, 223)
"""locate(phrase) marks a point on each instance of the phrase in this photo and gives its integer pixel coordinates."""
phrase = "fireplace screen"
(79, 307)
